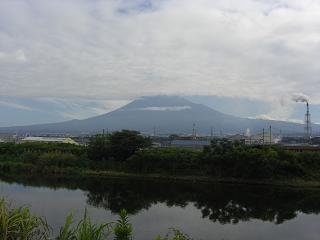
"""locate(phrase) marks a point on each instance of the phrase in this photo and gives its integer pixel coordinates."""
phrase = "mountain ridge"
(168, 114)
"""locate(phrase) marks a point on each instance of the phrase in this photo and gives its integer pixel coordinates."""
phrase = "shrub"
(58, 159)
(169, 160)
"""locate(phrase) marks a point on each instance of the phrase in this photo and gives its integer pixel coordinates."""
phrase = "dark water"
(204, 211)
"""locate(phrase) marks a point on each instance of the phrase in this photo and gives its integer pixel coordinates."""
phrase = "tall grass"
(85, 230)
(20, 224)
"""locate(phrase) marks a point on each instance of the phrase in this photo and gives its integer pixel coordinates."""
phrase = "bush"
(227, 159)
(168, 160)
(58, 159)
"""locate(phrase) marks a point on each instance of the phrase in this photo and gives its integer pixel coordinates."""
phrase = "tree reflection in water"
(223, 203)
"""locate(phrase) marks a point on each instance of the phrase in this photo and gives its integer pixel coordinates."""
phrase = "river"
(203, 211)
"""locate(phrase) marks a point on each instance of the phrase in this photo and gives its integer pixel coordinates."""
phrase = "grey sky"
(113, 51)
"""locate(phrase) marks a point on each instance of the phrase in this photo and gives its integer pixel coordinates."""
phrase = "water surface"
(204, 211)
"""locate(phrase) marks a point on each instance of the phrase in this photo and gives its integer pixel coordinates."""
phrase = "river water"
(203, 211)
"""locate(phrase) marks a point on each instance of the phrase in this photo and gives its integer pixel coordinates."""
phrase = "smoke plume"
(300, 97)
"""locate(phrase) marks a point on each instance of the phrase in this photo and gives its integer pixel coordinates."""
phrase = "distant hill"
(167, 114)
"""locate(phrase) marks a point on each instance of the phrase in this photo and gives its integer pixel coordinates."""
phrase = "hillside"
(168, 114)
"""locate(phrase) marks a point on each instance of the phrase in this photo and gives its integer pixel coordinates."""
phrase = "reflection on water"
(218, 203)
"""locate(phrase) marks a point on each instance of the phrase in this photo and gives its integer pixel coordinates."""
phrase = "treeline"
(129, 151)
(35, 157)
(227, 159)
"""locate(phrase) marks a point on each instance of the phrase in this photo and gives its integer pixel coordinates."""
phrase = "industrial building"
(193, 144)
(49, 140)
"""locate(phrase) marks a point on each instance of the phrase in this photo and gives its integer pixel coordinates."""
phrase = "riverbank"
(221, 162)
(81, 173)
(204, 179)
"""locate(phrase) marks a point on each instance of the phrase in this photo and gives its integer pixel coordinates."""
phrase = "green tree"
(125, 143)
(99, 147)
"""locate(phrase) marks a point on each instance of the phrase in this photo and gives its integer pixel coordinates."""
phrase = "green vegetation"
(130, 153)
(20, 224)
(85, 230)
(174, 234)
(117, 146)
(123, 229)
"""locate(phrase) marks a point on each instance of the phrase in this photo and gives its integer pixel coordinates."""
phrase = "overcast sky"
(86, 57)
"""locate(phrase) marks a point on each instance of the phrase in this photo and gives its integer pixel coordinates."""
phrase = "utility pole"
(194, 131)
(270, 139)
(211, 133)
(263, 136)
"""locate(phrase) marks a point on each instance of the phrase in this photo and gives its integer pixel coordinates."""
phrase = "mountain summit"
(166, 114)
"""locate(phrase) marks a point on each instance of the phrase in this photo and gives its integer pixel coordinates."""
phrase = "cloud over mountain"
(118, 50)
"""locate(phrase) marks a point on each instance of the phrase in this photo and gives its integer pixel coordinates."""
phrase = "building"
(238, 137)
(49, 140)
(193, 144)
(261, 139)
(301, 147)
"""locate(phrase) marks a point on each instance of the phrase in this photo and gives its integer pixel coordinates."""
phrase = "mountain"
(167, 114)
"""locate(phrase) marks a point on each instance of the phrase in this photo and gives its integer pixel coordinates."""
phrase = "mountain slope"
(168, 114)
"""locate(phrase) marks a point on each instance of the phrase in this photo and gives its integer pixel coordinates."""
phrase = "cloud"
(16, 105)
(75, 108)
(13, 57)
(119, 50)
(168, 108)
(267, 117)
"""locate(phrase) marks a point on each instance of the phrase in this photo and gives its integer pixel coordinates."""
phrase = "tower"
(194, 134)
(307, 124)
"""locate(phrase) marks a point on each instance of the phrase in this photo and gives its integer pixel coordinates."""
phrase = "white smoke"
(300, 97)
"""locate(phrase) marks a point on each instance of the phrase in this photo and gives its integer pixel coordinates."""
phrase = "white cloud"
(111, 50)
(16, 105)
(267, 117)
(75, 108)
(168, 108)
(13, 57)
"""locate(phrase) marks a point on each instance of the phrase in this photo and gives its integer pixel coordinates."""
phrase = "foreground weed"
(174, 234)
(123, 228)
(85, 230)
(20, 224)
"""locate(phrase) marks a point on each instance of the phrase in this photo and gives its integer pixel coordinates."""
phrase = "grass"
(20, 224)
(85, 229)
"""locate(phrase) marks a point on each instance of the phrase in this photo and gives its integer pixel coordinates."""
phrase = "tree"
(99, 147)
(125, 143)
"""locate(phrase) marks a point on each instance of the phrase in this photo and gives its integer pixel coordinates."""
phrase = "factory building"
(49, 140)
(260, 139)
(193, 144)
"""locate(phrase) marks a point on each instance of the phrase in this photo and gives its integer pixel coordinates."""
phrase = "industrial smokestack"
(307, 124)
(300, 97)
